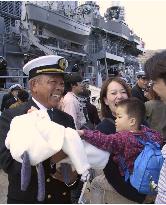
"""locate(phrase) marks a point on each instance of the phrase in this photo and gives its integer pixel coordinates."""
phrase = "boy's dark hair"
(155, 67)
(134, 108)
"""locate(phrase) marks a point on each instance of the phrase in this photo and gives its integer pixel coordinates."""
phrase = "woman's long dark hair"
(105, 110)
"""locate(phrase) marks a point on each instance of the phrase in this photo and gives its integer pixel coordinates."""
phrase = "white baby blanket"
(35, 133)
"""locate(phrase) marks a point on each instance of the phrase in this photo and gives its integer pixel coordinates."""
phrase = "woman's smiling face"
(115, 93)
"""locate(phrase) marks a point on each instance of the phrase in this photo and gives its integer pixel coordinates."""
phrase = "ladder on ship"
(35, 41)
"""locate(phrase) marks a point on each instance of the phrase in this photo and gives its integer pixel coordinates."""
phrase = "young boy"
(129, 116)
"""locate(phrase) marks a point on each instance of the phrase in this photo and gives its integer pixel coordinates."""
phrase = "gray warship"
(94, 45)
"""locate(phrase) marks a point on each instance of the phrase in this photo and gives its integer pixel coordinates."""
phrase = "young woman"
(112, 91)
(130, 114)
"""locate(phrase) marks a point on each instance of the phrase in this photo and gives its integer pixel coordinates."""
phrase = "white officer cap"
(51, 64)
(140, 74)
(15, 87)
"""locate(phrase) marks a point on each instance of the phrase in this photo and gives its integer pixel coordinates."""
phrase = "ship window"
(34, 29)
(4, 6)
(40, 30)
(18, 8)
(7, 23)
(11, 7)
(12, 22)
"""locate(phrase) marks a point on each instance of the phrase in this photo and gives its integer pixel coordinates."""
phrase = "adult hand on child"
(85, 176)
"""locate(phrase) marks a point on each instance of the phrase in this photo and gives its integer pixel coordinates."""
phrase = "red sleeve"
(111, 143)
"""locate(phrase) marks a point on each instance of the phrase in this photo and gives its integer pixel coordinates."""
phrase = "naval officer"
(46, 83)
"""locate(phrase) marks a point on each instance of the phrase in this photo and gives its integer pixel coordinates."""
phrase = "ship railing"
(35, 42)
(68, 46)
(113, 49)
(23, 80)
(91, 77)
(88, 75)
(13, 79)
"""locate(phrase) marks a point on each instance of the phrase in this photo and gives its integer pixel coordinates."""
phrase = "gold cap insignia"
(62, 63)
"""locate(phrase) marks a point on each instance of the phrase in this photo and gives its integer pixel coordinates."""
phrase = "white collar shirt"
(41, 107)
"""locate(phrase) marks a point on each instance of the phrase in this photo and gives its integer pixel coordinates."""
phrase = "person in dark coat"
(3, 72)
(46, 83)
(11, 97)
(138, 90)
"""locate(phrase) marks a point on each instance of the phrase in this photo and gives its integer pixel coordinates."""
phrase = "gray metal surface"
(3, 187)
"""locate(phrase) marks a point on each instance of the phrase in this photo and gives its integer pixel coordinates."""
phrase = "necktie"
(50, 113)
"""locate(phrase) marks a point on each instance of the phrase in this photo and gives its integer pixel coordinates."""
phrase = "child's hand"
(80, 132)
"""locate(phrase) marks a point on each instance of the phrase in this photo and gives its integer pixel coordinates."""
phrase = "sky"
(147, 19)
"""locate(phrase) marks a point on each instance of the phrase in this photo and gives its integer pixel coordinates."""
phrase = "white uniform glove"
(85, 176)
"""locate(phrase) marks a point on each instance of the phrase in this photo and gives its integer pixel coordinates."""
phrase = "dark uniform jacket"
(137, 92)
(56, 191)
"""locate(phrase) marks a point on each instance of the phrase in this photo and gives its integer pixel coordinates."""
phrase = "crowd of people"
(128, 117)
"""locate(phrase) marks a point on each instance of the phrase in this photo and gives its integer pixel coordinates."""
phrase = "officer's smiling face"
(48, 89)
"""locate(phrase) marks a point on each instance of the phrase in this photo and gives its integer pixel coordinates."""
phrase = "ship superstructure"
(95, 46)
(112, 45)
(10, 38)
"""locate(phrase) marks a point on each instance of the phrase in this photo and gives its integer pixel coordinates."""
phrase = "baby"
(40, 138)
